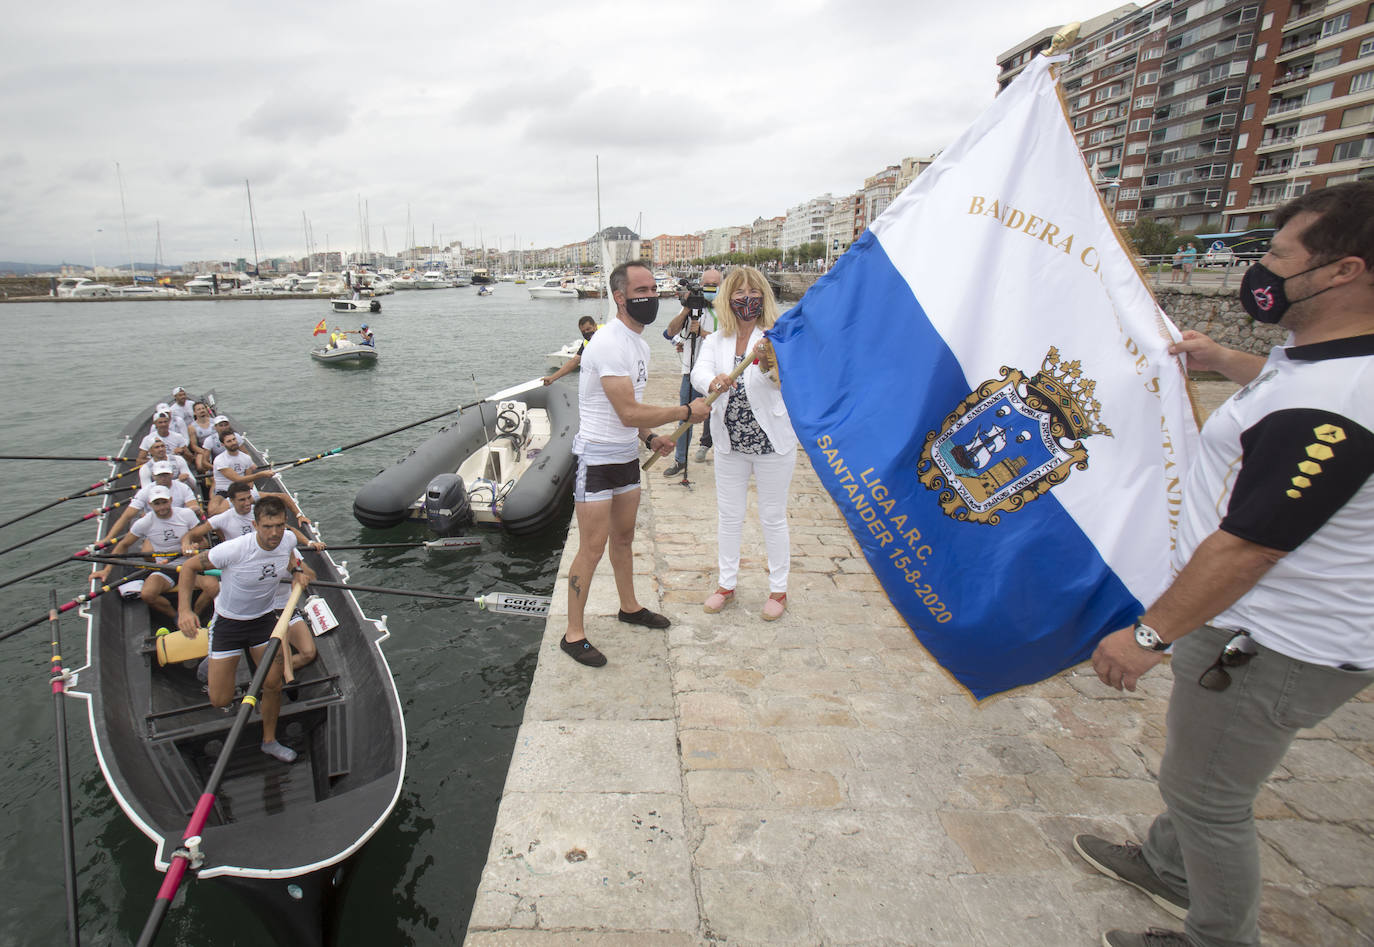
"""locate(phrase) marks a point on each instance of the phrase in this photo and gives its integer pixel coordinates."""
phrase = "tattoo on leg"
(575, 584)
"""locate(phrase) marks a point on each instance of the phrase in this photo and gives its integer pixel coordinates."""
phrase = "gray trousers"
(1220, 749)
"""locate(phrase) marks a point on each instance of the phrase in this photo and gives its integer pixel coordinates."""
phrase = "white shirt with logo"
(231, 524)
(238, 463)
(182, 495)
(174, 440)
(145, 473)
(165, 534)
(250, 575)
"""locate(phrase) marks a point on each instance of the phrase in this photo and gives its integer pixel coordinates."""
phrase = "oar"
(74, 557)
(35, 457)
(59, 688)
(451, 542)
(710, 399)
(536, 606)
(75, 496)
(277, 468)
(182, 857)
(79, 600)
(58, 529)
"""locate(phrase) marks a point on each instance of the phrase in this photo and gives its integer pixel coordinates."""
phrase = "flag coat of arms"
(982, 383)
(320, 328)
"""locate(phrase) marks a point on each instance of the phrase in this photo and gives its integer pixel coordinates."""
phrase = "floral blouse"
(745, 434)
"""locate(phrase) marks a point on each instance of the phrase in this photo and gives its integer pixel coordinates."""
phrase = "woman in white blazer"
(753, 436)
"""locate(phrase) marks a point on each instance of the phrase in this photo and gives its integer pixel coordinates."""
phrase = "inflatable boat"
(346, 352)
(507, 462)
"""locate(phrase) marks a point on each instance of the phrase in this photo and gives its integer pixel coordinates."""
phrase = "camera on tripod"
(693, 300)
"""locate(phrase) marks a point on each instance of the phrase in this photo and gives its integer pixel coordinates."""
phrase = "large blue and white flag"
(983, 384)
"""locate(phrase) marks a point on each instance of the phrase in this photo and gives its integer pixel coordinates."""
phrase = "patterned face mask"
(747, 309)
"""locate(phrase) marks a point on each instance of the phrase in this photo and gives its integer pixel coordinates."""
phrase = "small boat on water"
(485, 291)
(346, 352)
(356, 305)
(80, 287)
(282, 836)
(506, 463)
(554, 289)
(559, 358)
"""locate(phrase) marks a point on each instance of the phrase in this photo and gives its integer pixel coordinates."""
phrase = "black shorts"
(602, 481)
(229, 636)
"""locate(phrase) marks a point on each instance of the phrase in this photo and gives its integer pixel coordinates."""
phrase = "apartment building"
(805, 223)
(1207, 114)
(671, 249)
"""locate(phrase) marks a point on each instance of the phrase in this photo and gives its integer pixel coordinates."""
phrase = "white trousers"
(773, 478)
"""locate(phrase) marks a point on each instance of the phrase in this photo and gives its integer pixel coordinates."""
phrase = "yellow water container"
(173, 646)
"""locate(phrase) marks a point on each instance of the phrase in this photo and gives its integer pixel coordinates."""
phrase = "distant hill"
(11, 268)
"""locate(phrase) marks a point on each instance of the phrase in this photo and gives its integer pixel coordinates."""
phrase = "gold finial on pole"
(1064, 37)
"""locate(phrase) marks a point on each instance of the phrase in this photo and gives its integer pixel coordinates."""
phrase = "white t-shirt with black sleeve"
(250, 575)
(1288, 463)
(615, 351)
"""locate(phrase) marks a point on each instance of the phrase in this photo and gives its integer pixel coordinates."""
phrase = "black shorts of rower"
(229, 636)
(594, 482)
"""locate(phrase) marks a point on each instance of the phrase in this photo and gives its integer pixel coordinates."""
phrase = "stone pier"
(820, 780)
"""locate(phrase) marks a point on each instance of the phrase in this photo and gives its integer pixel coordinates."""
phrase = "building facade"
(805, 223)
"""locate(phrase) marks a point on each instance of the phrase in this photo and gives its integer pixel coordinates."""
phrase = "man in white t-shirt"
(165, 530)
(177, 443)
(212, 445)
(141, 502)
(182, 408)
(232, 465)
(157, 452)
(615, 369)
(178, 423)
(252, 568)
(237, 520)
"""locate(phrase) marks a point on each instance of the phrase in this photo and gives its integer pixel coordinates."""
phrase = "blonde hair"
(744, 277)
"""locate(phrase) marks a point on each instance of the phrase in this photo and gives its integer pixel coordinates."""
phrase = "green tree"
(1151, 238)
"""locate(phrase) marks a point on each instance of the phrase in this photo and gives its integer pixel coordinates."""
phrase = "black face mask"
(643, 310)
(588, 335)
(1262, 295)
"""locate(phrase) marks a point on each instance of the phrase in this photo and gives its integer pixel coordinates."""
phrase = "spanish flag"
(321, 328)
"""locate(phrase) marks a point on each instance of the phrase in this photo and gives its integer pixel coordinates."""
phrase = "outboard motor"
(447, 510)
(374, 306)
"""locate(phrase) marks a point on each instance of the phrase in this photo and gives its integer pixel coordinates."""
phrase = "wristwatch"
(1149, 639)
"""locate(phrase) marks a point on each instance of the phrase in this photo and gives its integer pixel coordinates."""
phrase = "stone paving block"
(804, 713)
(1000, 842)
(1293, 917)
(754, 908)
(525, 938)
(1354, 720)
(717, 749)
(588, 860)
(1332, 800)
(806, 789)
(634, 685)
(1355, 906)
(1321, 760)
(810, 749)
(702, 709)
(596, 756)
(1015, 909)
(753, 839)
(720, 788)
(989, 792)
(855, 907)
(894, 788)
(1324, 853)
(1094, 795)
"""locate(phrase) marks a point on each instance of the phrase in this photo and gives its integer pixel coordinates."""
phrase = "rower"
(165, 529)
(157, 453)
(176, 442)
(231, 466)
(182, 496)
(367, 338)
(201, 430)
(213, 444)
(177, 421)
(238, 521)
(181, 407)
(252, 569)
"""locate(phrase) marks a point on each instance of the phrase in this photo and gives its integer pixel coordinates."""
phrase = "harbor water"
(77, 373)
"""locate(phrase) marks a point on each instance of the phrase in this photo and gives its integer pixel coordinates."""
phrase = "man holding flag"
(1270, 613)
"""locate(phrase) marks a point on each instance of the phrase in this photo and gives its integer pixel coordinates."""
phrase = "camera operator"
(686, 331)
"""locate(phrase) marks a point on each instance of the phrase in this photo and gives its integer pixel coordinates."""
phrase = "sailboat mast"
(252, 228)
(128, 247)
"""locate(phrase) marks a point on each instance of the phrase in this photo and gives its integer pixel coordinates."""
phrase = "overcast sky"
(484, 119)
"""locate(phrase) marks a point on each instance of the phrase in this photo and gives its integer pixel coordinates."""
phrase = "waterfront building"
(805, 223)
(846, 222)
(1205, 115)
(720, 241)
(674, 249)
(622, 245)
(910, 169)
(766, 232)
(879, 191)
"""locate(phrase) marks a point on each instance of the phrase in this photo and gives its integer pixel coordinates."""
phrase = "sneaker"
(644, 617)
(1154, 937)
(583, 652)
(677, 468)
(279, 752)
(1127, 863)
(700, 456)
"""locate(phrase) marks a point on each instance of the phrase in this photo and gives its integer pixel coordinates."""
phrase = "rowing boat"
(283, 836)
